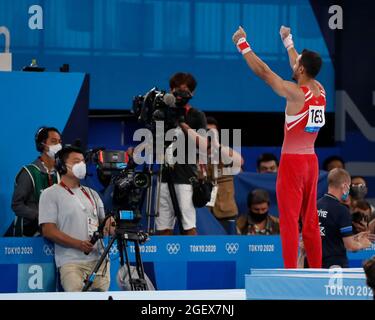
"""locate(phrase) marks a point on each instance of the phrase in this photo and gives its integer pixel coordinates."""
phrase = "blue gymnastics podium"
(307, 284)
(174, 263)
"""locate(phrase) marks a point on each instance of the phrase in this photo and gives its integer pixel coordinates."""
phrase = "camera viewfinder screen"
(126, 215)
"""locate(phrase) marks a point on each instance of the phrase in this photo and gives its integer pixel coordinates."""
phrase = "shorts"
(167, 219)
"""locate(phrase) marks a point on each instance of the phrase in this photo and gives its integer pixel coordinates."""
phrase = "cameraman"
(182, 86)
(69, 214)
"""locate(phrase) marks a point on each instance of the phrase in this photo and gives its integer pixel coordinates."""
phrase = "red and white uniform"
(297, 180)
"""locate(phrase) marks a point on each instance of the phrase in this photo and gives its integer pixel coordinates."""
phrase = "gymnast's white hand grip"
(6, 56)
(286, 37)
(284, 32)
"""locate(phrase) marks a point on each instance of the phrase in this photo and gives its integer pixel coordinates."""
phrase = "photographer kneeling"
(69, 214)
(182, 86)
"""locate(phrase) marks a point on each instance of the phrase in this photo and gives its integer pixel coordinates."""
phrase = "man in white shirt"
(69, 214)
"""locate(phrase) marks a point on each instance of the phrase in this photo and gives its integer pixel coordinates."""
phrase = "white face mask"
(52, 150)
(79, 170)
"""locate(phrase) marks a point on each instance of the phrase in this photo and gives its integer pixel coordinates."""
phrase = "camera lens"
(141, 180)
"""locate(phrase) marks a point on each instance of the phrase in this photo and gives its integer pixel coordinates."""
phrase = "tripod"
(123, 236)
(165, 170)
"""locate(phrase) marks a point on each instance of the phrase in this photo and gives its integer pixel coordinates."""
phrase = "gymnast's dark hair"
(312, 62)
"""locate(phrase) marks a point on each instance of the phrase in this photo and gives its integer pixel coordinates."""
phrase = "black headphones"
(60, 165)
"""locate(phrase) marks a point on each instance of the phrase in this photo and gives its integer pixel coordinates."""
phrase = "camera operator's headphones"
(60, 165)
(59, 162)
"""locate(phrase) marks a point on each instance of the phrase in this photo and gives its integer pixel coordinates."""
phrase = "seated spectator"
(258, 221)
(333, 162)
(361, 215)
(369, 268)
(336, 222)
(267, 163)
(359, 190)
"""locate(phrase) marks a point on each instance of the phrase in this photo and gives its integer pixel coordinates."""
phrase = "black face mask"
(258, 217)
(358, 191)
(182, 97)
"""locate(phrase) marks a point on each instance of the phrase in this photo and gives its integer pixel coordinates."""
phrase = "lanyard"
(83, 191)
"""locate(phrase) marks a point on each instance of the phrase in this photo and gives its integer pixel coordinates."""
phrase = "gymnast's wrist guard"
(288, 42)
(243, 46)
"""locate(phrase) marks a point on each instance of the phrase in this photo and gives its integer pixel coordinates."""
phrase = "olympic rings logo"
(173, 248)
(48, 250)
(113, 251)
(232, 248)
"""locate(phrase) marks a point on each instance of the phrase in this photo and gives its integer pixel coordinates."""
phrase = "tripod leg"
(91, 277)
(120, 247)
(139, 266)
(176, 207)
(157, 196)
(150, 191)
(125, 250)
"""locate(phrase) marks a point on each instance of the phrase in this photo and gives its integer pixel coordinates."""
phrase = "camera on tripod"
(116, 170)
(158, 105)
(128, 195)
(128, 189)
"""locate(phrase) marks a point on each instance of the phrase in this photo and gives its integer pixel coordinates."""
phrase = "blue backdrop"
(129, 46)
(28, 101)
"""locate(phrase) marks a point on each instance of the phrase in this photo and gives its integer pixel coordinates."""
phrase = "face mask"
(258, 217)
(345, 196)
(52, 150)
(358, 191)
(79, 170)
(182, 97)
